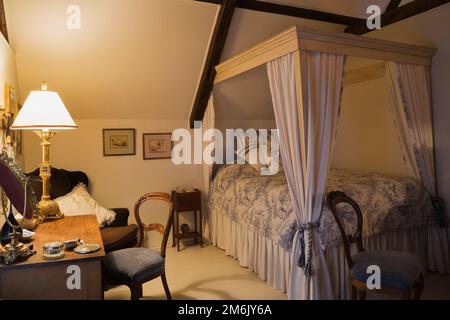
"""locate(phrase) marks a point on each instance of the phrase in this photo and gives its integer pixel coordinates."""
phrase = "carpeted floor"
(207, 273)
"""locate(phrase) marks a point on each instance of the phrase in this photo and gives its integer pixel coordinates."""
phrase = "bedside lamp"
(44, 113)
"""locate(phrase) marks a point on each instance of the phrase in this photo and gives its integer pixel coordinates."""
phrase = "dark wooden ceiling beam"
(393, 4)
(212, 59)
(292, 11)
(3, 27)
(391, 16)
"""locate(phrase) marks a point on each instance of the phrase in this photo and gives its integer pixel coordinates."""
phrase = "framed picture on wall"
(119, 142)
(157, 146)
(8, 113)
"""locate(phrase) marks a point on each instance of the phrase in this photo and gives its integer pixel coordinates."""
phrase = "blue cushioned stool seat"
(399, 270)
(133, 265)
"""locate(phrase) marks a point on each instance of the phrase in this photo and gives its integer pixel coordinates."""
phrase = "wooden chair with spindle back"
(401, 273)
(135, 266)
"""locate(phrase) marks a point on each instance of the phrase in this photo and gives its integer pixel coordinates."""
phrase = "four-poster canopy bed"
(306, 76)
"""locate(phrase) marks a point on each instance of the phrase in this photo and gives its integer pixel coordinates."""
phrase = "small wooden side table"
(187, 202)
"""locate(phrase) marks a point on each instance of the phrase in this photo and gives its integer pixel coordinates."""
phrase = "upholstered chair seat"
(399, 270)
(134, 265)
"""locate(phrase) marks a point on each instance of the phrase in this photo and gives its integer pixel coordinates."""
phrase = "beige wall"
(223, 124)
(117, 181)
(366, 137)
(7, 68)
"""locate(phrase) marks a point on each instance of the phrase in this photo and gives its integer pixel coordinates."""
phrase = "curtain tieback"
(302, 262)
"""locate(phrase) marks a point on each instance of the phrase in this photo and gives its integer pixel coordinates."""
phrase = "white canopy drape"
(209, 122)
(307, 133)
(409, 88)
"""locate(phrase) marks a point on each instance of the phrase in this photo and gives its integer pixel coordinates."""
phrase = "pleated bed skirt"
(272, 263)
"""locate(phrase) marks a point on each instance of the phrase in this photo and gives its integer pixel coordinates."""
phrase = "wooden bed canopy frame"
(297, 39)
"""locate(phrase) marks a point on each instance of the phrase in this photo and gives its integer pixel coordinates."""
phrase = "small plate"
(87, 248)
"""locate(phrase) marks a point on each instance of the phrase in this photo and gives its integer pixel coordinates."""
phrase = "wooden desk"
(41, 279)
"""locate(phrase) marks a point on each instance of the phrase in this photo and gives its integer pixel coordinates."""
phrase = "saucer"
(87, 248)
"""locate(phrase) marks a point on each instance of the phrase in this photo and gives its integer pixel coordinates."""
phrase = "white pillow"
(80, 202)
(263, 151)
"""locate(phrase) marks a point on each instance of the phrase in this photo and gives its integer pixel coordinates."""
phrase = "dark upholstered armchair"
(116, 236)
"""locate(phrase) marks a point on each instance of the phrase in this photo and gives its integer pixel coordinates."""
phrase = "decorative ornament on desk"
(71, 244)
(15, 249)
(53, 250)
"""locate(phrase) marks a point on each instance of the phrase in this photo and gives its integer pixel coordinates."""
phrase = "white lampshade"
(44, 110)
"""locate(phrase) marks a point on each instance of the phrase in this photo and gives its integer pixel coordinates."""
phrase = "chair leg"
(354, 293)
(406, 295)
(136, 292)
(166, 287)
(362, 295)
(419, 287)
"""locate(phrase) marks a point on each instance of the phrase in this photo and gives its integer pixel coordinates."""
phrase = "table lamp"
(44, 113)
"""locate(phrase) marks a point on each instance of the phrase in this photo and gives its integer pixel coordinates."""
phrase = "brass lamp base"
(49, 209)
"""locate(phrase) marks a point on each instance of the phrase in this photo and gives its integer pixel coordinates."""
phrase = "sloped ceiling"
(131, 59)
(143, 58)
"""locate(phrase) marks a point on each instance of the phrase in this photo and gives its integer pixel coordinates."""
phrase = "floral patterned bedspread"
(262, 203)
(388, 203)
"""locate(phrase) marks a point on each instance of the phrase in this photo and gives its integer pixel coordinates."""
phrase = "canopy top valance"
(303, 38)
